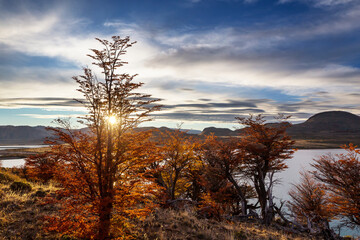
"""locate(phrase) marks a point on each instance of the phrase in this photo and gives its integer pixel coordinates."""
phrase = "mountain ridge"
(326, 129)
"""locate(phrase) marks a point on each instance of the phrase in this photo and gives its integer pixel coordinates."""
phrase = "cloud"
(245, 57)
(250, 1)
(47, 34)
(321, 3)
(202, 74)
(42, 102)
(228, 104)
(51, 116)
(188, 116)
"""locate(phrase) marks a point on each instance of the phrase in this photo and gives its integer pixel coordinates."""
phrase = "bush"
(39, 193)
(20, 187)
(5, 178)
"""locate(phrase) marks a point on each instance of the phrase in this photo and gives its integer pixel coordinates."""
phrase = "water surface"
(8, 163)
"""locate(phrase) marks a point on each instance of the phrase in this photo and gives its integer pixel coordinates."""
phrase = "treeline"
(112, 176)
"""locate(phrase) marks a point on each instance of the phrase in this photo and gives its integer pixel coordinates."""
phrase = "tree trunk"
(106, 207)
(266, 211)
(269, 210)
(240, 194)
(195, 191)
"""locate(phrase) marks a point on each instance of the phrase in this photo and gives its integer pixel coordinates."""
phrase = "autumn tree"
(41, 167)
(102, 171)
(224, 171)
(266, 148)
(178, 164)
(310, 205)
(340, 174)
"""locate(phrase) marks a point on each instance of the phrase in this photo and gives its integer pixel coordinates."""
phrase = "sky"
(209, 61)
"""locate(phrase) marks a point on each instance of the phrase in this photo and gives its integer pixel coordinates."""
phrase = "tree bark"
(240, 193)
(106, 206)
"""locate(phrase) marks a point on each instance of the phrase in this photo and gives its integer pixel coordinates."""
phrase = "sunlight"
(112, 119)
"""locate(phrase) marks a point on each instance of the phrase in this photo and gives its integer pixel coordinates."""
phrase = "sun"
(112, 119)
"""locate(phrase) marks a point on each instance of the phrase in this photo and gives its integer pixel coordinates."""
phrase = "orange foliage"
(80, 199)
(341, 175)
(178, 165)
(102, 169)
(224, 174)
(309, 203)
(209, 207)
(41, 167)
(267, 146)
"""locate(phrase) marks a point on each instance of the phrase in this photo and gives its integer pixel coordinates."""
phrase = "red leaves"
(41, 167)
(341, 175)
(310, 202)
(103, 170)
(178, 162)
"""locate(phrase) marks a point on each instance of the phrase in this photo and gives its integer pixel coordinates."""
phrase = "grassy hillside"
(22, 212)
(179, 225)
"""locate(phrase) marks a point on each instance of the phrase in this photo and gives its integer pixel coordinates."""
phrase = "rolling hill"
(323, 130)
(23, 135)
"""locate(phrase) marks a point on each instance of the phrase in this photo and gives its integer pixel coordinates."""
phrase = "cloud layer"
(298, 64)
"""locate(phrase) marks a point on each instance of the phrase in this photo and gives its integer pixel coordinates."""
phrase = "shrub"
(20, 187)
(39, 193)
(5, 178)
(8, 177)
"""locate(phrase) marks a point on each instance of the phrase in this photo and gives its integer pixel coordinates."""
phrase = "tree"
(41, 167)
(310, 205)
(224, 161)
(266, 148)
(177, 163)
(341, 175)
(104, 163)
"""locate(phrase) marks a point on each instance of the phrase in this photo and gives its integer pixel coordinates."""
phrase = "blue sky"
(208, 60)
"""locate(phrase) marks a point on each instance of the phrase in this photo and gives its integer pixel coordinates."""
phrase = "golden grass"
(176, 225)
(21, 214)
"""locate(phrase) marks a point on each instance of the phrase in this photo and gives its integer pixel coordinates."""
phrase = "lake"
(21, 146)
(301, 161)
(8, 163)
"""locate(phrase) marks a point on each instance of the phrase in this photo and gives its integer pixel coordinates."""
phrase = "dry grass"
(176, 225)
(21, 214)
(21, 217)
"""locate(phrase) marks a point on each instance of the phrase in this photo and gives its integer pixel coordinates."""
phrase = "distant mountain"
(327, 129)
(323, 130)
(15, 135)
(191, 131)
(23, 134)
(325, 122)
(219, 132)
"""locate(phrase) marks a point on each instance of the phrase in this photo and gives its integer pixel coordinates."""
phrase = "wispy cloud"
(45, 102)
(202, 74)
(52, 116)
(321, 3)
